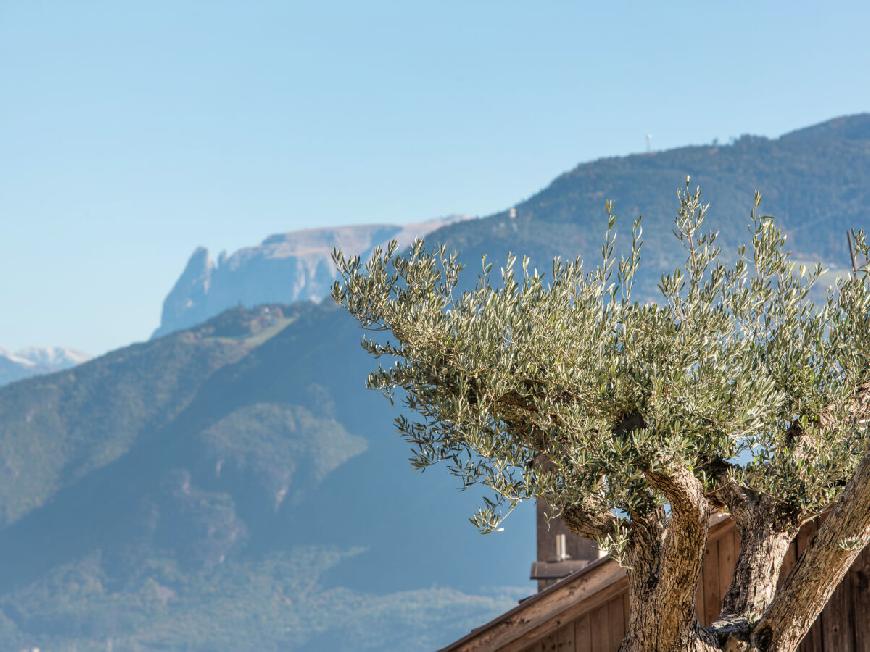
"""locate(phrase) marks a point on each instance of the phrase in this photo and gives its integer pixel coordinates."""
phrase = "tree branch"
(765, 535)
(589, 523)
(763, 547)
(840, 539)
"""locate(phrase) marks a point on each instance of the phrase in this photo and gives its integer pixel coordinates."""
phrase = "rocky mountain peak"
(283, 268)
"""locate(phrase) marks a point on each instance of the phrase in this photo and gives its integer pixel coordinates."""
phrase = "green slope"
(233, 487)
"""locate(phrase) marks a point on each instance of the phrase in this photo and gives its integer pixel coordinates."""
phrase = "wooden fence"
(844, 625)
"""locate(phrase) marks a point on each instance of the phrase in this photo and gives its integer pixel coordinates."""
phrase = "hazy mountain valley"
(235, 482)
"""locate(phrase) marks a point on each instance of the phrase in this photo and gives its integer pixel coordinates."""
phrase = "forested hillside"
(814, 181)
(228, 485)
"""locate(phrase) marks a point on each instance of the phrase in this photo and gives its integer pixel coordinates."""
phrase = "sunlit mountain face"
(283, 268)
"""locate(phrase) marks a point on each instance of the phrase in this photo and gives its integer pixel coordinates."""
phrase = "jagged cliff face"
(37, 360)
(284, 268)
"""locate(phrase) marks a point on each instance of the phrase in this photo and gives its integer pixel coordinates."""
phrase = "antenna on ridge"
(648, 143)
(851, 252)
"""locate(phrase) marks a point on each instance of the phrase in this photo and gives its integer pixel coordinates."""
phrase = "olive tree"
(637, 422)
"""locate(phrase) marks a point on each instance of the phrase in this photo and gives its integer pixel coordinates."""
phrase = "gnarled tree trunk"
(665, 556)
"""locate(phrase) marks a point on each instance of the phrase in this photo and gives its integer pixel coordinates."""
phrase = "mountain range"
(814, 181)
(37, 360)
(231, 485)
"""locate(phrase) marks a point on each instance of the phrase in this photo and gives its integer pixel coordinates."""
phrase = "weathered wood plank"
(567, 615)
(710, 580)
(562, 640)
(805, 538)
(788, 562)
(565, 639)
(859, 576)
(616, 621)
(582, 635)
(626, 605)
(837, 634)
(546, 612)
(727, 561)
(600, 629)
(699, 601)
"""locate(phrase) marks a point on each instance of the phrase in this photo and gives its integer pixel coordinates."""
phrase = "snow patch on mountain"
(33, 361)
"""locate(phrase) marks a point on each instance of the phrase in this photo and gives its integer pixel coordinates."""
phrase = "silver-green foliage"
(563, 386)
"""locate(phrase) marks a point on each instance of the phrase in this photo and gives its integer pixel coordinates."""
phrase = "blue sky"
(132, 132)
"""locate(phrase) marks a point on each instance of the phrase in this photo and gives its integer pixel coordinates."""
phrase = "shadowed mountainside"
(236, 467)
(814, 181)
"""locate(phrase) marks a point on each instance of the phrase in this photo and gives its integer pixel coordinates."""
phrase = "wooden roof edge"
(560, 597)
(572, 612)
(540, 606)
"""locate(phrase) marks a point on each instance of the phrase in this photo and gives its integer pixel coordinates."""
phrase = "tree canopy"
(737, 391)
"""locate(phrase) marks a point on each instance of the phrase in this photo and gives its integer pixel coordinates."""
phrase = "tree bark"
(765, 536)
(840, 539)
(589, 522)
(753, 586)
(665, 558)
